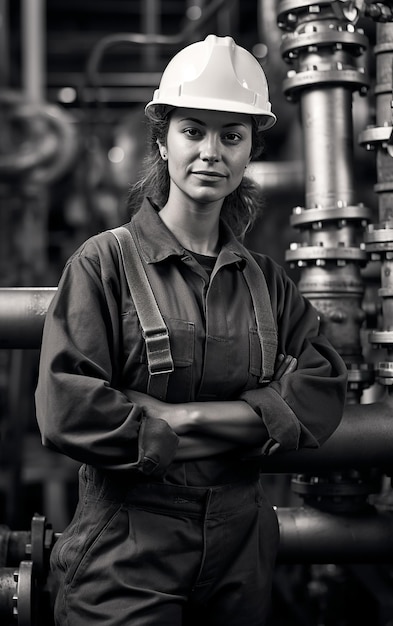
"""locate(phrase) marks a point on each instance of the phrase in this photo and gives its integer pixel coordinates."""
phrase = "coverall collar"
(157, 243)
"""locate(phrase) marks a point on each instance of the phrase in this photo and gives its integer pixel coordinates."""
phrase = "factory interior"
(75, 75)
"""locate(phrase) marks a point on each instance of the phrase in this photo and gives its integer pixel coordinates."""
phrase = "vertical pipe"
(323, 49)
(379, 239)
(384, 95)
(150, 10)
(34, 50)
(4, 44)
(326, 115)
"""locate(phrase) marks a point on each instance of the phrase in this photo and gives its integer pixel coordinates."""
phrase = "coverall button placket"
(193, 264)
(216, 353)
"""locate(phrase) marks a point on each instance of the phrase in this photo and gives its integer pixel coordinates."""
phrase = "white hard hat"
(215, 74)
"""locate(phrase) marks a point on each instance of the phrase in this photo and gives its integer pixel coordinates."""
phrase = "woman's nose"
(210, 149)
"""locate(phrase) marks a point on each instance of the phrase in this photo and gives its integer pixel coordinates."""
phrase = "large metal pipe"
(308, 535)
(22, 315)
(326, 115)
(364, 439)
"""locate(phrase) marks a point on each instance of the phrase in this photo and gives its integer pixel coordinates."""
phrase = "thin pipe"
(33, 50)
(4, 44)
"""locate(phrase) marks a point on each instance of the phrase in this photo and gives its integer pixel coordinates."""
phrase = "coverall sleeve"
(79, 410)
(304, 407)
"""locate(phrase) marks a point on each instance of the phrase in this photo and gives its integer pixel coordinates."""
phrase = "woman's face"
(207, 153)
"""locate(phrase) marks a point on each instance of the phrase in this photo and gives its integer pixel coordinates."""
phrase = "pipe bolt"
(292, 18)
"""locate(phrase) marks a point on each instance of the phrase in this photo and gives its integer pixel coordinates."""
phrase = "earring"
(164, 155)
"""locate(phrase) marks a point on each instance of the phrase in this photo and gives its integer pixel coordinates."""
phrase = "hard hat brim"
(264, 119)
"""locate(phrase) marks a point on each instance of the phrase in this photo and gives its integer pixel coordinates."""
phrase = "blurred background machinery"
(74, 77)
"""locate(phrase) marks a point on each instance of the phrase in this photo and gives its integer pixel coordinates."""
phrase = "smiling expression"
(207, 153)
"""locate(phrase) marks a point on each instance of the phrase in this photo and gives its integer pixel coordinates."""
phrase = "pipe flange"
(383, 88)
(381, 48)
(287, 16)
(23, 597)
(385, 292)
(301, 254)
(383, 338)
(384, 187)
(380, 251)
(355, 79)
(382, 380)
(340, 214)
(379, 233)
(337, 38)
(37, 548)
(376, 136)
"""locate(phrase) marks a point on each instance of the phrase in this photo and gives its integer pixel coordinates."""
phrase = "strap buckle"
(159, 357)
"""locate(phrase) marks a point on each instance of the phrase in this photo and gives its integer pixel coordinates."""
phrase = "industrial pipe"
(308, 535)
(363, 439)
(33, 14)
(324, 48)
(22, 314)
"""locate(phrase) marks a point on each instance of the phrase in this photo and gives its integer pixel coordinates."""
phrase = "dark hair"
(240, 209)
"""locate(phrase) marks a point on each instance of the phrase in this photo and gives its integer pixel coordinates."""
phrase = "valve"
(49, 140)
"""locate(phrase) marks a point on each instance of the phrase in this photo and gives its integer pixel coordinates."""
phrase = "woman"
(172, 525)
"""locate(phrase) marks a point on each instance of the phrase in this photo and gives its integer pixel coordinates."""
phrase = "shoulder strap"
(266, 326)
(155, 332)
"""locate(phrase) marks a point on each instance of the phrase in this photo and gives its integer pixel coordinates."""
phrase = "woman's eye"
(233, 137)
(191, 132)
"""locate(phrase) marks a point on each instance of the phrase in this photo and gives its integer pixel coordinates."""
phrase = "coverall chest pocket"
(182, 342)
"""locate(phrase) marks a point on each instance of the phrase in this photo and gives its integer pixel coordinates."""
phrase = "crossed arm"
(209, 428)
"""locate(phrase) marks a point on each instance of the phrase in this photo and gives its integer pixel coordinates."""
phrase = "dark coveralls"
(177, 542)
